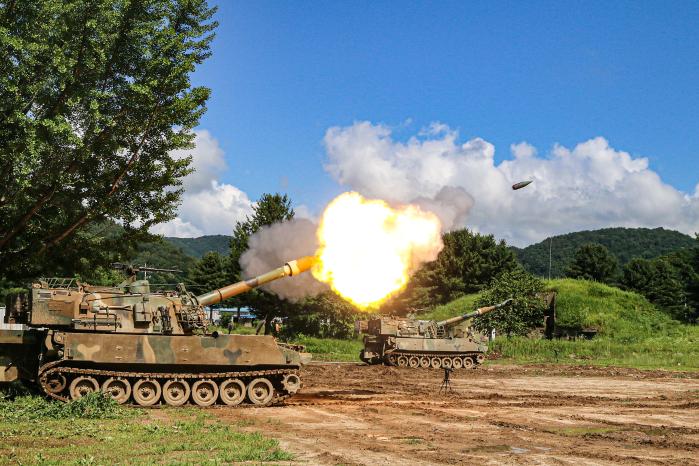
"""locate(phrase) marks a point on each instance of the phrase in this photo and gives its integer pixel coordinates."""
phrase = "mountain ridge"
(624, 243)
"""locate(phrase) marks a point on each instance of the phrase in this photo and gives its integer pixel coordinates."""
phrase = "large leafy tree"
(526, 311)
(94, 96)
(593, 262)
(269, 209)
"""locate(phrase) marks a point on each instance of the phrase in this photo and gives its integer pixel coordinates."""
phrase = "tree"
(467, 264)
(525, 312)
(209, 273)
(269, 209)
(638, 275)
(326, 316)
(94, 97)
(593, 262)
(660, 281)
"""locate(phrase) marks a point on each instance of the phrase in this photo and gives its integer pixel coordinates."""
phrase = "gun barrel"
(478, 312)
(289, 269)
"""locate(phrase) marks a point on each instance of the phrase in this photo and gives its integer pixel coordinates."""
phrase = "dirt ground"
(371, 415)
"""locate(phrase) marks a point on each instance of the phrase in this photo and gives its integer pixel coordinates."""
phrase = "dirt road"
(370, 415)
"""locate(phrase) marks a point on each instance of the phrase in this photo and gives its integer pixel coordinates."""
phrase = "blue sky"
(282, 73)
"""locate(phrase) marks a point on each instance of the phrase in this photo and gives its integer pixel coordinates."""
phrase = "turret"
(129, 307)
(478, 312)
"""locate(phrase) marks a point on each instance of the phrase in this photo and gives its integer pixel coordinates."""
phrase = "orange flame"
(368, 249)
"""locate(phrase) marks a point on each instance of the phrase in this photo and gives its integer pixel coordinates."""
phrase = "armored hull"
(143, 348)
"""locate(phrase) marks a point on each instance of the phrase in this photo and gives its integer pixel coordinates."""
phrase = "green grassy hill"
(624, 243)
(632, 332)
(622, 315)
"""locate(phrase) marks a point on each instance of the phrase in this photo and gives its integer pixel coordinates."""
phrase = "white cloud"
(207, 160)
(178, 228)
(208, 206)
(589, 186)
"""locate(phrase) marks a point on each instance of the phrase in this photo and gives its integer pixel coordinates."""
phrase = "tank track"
(277, 377)
(455, 360)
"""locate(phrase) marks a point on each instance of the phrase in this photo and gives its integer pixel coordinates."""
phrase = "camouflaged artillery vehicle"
(407, 342)
(142, 346)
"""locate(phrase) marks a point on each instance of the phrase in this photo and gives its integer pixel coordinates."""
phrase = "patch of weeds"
(581, 431)
(413, 440)
(92, 406)
(487, 449)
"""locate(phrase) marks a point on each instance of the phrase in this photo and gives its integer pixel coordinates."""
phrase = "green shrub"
(526, 310)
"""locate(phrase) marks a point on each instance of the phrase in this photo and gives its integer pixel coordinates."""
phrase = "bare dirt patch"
(369, 415)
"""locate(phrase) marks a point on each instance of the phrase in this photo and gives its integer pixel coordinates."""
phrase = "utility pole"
(550, 247)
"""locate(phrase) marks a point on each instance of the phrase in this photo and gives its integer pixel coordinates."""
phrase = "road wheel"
(204, 392)
(81, 386)
(425, 362)
(232, 391)
(147, 392)
(176, 392)
(435, 363)
(260, 391)
(402, 361)
(117, 389)
(446, 362)
(56, 383)
(457, 363)
(468, 363)
(480, 358)
(414, 362)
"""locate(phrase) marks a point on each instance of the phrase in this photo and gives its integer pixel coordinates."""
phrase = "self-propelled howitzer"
(143, 346)
(403, 341)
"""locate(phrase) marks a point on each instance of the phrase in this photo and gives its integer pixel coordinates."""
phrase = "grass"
(653, 353)
(36, 431)
(624, 316)
(331, 349)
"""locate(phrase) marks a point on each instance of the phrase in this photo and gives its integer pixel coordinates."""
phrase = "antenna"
(550, 246)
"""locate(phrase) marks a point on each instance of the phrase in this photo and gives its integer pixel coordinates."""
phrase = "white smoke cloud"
(272, 246)
(589, 186)
(208, 206)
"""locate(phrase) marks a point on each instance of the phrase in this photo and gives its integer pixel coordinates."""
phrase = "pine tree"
(593, 262)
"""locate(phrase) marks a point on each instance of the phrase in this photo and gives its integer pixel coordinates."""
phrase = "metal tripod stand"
(446, 384)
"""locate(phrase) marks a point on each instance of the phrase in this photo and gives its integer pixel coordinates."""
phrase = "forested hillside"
(197, 247)
(624, 243)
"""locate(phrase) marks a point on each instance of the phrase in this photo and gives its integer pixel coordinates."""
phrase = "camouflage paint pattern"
(184, 351)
